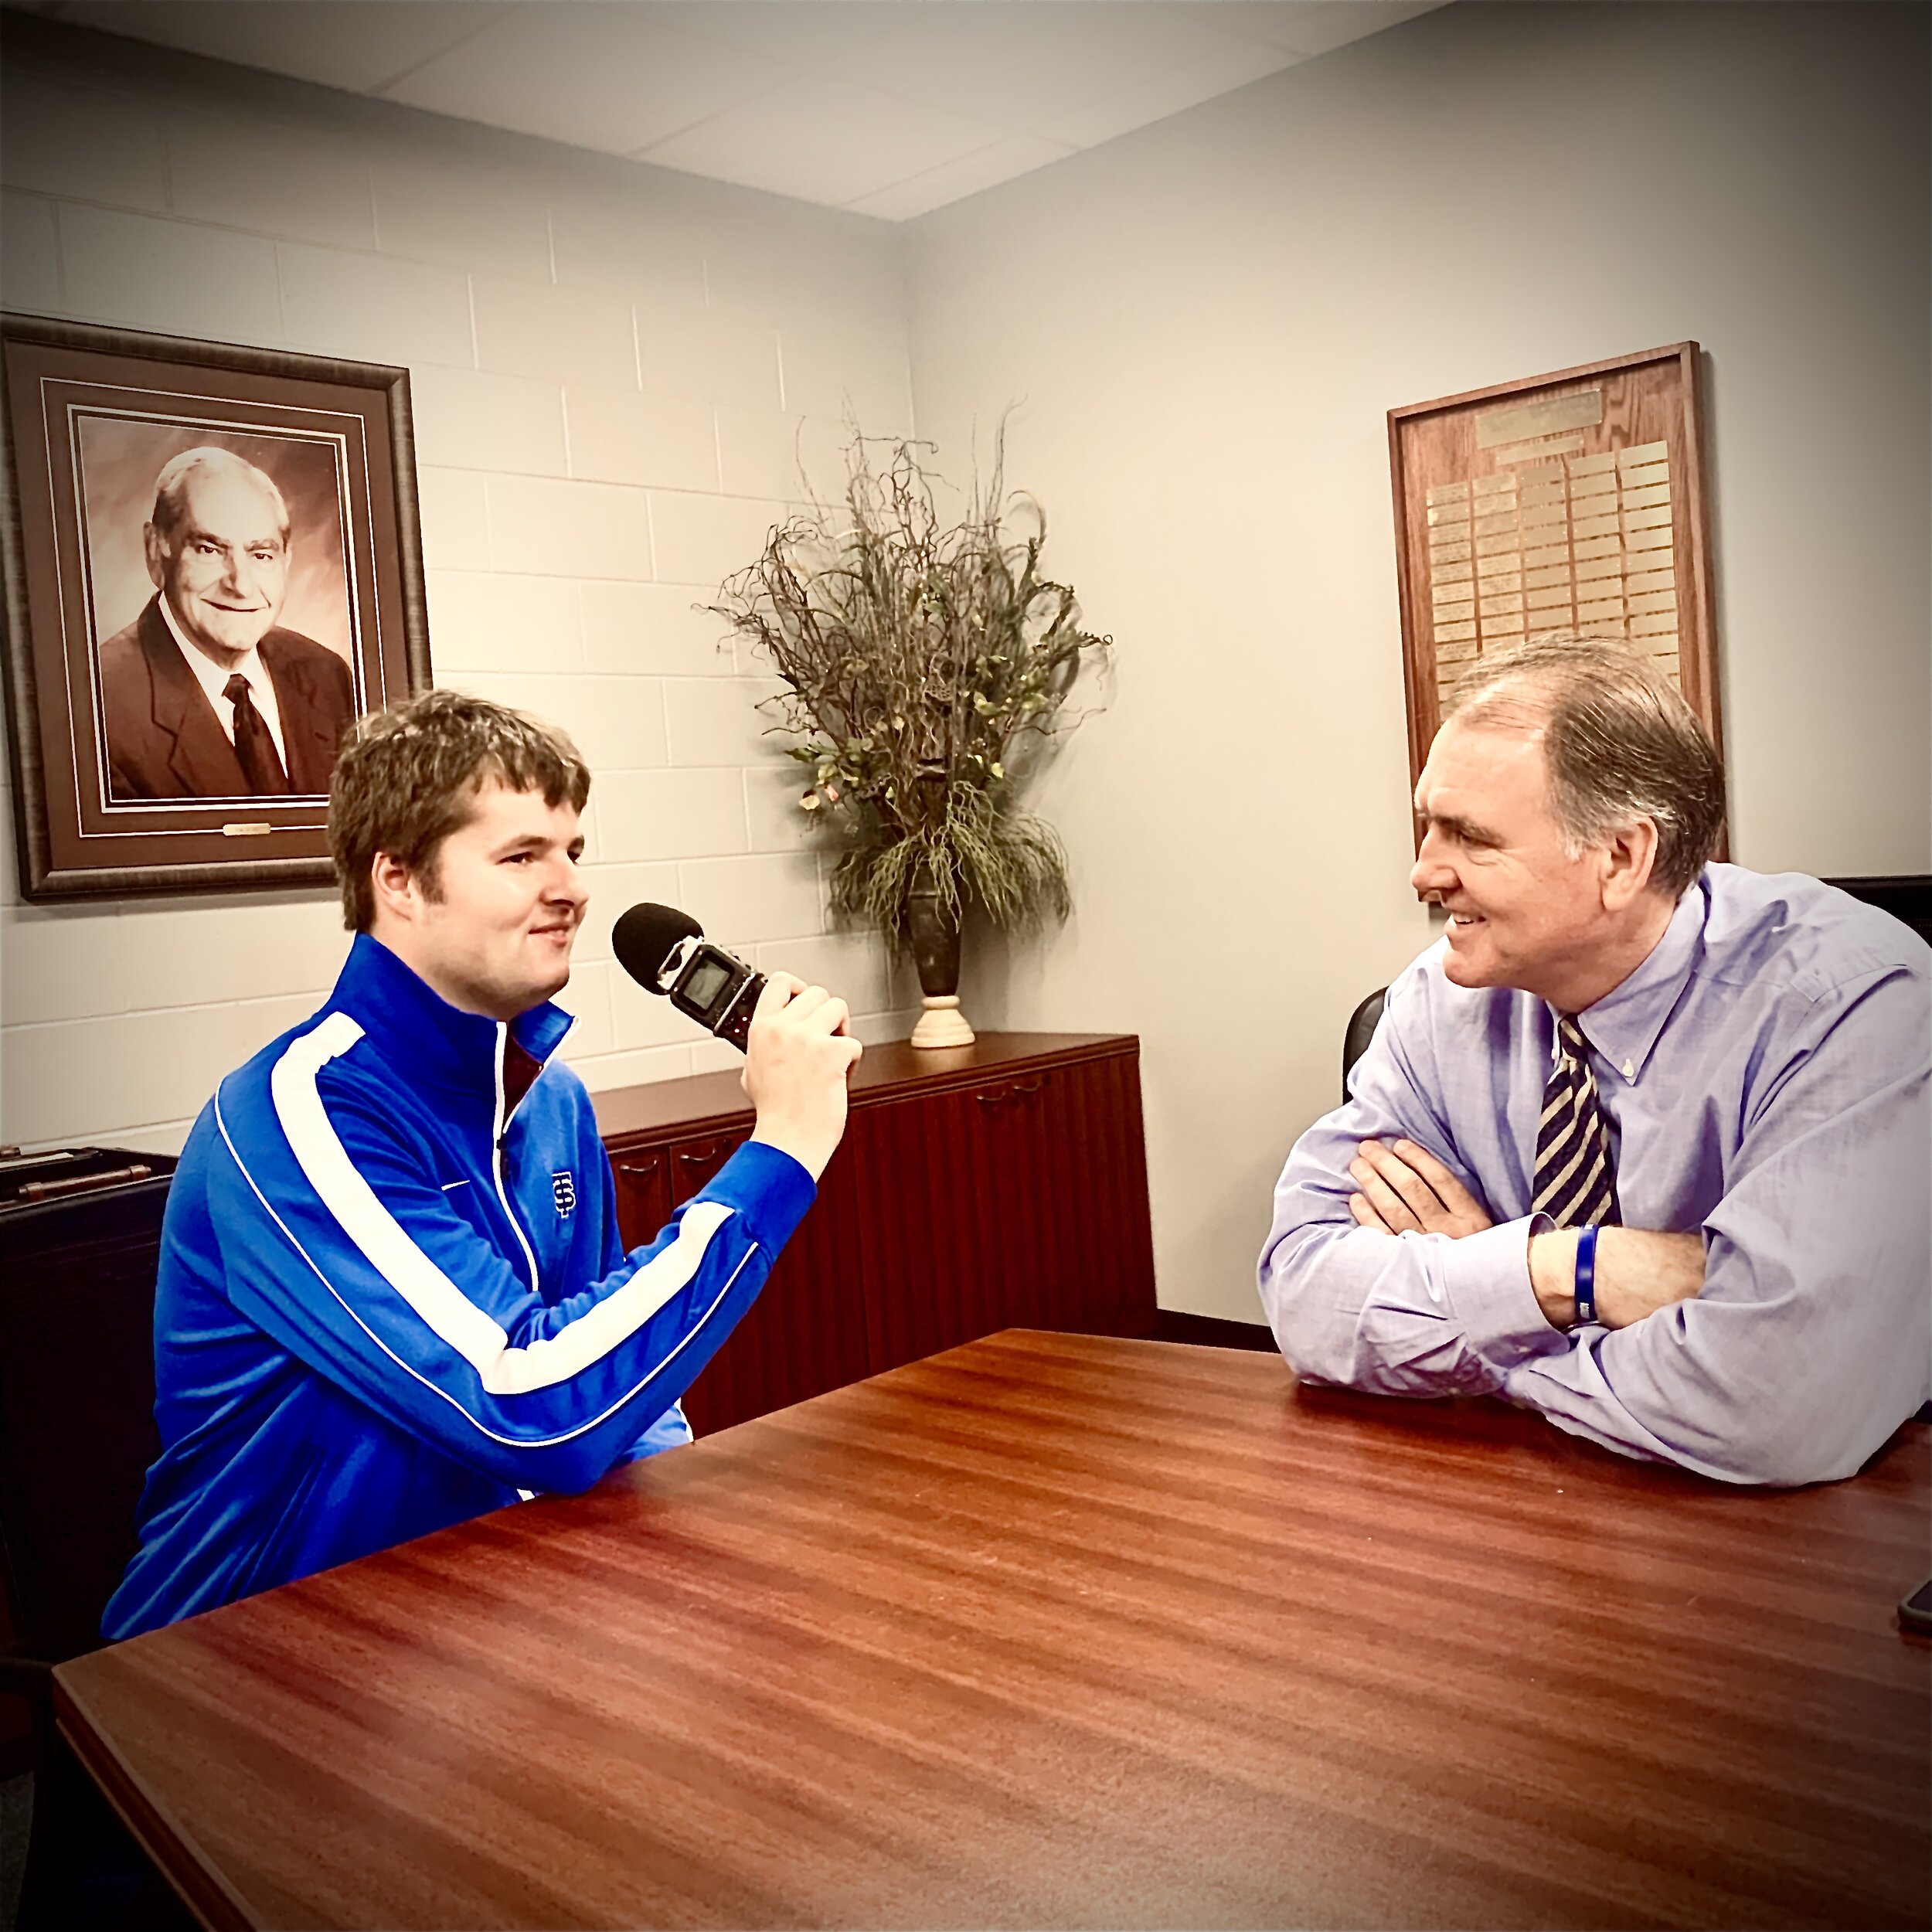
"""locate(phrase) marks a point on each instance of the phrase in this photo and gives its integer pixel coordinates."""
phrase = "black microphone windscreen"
(645, 937)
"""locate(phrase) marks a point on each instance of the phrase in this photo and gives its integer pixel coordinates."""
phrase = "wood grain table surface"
(1057, 1630)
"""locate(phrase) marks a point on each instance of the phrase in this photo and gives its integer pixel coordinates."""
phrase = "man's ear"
(395, 886)
(151, 543)
(1630, 856)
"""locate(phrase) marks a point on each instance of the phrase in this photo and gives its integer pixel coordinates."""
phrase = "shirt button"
(1630, 1072)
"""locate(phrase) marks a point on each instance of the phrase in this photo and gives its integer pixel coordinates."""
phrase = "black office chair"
(77, 1436)
(1356, 1036)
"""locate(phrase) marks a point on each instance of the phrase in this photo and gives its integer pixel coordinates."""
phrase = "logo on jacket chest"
(563, 1191)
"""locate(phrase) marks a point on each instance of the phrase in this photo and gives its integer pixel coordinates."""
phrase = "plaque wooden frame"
(1639, 416)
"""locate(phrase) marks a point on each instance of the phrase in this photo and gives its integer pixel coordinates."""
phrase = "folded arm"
(1426, 1310)
(1809, 1340)
(1782, 1343)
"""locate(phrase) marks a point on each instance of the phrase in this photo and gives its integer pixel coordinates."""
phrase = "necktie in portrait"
(254, 743)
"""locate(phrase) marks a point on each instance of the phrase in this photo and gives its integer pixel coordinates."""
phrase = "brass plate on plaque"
(1514, 455)
(1581, 410)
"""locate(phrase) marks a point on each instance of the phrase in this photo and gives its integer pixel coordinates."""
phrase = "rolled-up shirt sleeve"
(1408, 1314)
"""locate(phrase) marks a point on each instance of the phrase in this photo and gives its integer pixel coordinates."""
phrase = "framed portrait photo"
(212, 566)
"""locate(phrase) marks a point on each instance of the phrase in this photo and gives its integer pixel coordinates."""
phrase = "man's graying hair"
(1619, 740)
(171, 487)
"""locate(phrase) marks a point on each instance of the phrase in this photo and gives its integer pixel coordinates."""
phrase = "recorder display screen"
(709, 978)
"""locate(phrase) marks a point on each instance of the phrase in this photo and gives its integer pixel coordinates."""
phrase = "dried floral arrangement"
(925, 666)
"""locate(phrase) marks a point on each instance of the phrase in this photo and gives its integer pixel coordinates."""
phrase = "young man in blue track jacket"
(391, 1294)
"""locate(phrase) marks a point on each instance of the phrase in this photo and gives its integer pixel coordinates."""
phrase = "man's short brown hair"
(408, 776)
(1619, 741)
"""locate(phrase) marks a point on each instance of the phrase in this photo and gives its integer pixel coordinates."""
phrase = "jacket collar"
(422, 1035)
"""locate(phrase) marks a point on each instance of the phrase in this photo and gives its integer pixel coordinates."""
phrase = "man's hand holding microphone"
(796, 1039)
(796, 1059)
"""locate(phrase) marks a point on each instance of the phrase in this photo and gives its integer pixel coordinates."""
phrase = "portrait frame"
(92, 415)
(1609, 454)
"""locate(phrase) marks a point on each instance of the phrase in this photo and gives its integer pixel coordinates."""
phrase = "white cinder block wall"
(614, 370)
(1208, 319)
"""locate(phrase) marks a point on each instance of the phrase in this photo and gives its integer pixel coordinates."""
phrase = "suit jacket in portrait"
(164, 740)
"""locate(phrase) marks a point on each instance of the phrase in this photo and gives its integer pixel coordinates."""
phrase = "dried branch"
(916, 659)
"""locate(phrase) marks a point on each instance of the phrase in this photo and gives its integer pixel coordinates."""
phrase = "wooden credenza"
(1001, 1185)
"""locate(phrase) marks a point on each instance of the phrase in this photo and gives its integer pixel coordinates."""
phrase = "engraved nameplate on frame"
(1583, 410)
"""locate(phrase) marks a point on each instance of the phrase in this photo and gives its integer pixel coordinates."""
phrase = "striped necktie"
(1575, 1183)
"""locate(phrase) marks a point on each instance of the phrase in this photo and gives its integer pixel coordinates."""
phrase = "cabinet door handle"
(1013, 1090)
(697, 1156)
(643, 1170)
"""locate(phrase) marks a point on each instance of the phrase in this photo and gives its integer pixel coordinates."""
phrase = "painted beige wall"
(1206, 321)
(612, 367)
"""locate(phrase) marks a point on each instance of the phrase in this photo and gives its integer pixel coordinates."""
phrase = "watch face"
(706, 980)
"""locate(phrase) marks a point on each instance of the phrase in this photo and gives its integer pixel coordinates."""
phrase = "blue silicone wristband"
(1586, 1275)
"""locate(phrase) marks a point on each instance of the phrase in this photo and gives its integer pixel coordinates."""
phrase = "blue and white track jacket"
(388, 1302)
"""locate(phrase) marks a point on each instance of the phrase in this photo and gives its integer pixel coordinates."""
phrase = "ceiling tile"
(890, 106)
(819, 36)
(953, 180)
(595, 75)
(1234, 65)
(1018, 64)
(357, 44)
(824, 141)
(1283, 23)
(1320, 29)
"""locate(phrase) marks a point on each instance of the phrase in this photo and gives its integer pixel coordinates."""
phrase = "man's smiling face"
(223, 567)
(1523, 912)
(495, 915)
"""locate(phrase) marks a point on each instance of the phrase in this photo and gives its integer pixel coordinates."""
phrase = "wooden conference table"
(1055, 1631)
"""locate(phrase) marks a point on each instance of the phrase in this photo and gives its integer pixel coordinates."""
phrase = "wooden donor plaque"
(1571, 502)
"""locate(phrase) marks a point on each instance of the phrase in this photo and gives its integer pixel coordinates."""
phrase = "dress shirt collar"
(212, 679)
(1623, 1025)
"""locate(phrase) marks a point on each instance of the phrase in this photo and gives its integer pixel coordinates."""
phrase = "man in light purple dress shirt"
(1762, 1052)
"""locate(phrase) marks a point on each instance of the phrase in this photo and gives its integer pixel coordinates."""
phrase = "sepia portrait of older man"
(205, 694)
